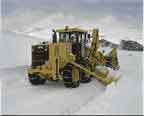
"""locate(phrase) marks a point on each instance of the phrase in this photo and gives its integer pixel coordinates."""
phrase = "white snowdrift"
(15, 49)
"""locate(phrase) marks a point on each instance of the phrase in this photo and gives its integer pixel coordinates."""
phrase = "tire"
(36, 80)
(68, 85)
(67, 77)
(75, 84)
(72, 84)
(84, 78)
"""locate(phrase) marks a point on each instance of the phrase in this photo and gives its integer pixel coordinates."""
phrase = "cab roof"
(71, 30)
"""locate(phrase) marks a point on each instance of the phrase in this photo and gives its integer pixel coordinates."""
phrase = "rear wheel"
(85, 78)
(68, 85)
(36, 80)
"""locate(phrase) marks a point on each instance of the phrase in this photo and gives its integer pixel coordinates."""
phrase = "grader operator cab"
(77, 37)
(69, 59)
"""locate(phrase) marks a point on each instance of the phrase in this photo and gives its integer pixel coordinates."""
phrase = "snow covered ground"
(20, 97)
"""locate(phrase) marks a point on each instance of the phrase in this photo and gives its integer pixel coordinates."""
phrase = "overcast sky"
(122, 9)
(9, 6)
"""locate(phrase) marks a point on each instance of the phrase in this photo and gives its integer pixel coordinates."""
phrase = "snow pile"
(15, 49)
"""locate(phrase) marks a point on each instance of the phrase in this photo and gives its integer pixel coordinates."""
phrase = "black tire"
(75, 84)
(36, 80)
(68, 85)
(84, 78)
(67, 77)
(72, 84)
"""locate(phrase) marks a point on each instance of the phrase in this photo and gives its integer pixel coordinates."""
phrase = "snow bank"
(15, 49)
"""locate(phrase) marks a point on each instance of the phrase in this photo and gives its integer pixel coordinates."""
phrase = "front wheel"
(36, 80)
(67, 77)
(72, 84)
(75, 84)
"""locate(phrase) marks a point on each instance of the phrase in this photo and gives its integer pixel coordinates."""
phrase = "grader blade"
(102, 77)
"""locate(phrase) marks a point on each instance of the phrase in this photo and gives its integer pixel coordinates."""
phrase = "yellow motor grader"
(68, 58)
